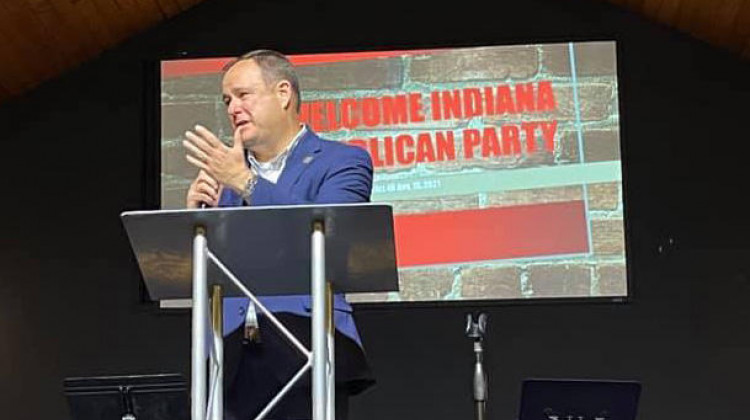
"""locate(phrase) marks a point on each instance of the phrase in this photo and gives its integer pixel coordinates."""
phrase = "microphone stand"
(476, 330)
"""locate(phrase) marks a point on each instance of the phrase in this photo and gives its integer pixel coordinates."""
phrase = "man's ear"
(284, 93)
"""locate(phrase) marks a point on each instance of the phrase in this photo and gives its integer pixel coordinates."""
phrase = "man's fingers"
(197, 163)
(225, 165)
(199, 142)
(208, 136)
(194, 151)
(201, 191)
(203, 147)
(205, 177)
(207, 190)
(203, 198)
(204, 185)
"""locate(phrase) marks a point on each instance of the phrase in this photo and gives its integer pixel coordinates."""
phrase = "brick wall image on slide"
(502, 163)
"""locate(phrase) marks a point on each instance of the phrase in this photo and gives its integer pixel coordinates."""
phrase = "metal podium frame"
(207, 396)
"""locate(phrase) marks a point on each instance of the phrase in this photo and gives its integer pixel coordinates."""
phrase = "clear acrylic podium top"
(267, 248)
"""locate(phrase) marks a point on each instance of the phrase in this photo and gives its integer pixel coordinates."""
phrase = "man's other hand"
(204, 189)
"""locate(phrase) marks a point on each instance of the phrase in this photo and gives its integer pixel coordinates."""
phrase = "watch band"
(247, 193)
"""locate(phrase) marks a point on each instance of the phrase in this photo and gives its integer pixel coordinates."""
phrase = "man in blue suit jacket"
(276, 160)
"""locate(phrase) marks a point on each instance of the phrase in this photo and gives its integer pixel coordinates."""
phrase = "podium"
(263, 251)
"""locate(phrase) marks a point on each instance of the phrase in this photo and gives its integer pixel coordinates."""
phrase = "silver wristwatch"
(247, 193)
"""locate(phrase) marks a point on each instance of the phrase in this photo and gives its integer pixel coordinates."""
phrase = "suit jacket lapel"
(300, 158)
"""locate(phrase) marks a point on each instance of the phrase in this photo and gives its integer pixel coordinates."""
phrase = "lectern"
(261, 251)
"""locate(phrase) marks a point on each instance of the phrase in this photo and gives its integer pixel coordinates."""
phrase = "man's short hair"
(274, 67)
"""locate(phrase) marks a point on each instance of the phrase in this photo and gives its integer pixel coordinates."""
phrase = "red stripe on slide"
(192, 67)
(311, 59)
(197, 66)
(491, 234)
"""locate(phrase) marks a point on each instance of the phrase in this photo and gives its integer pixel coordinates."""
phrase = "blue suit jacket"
(317, 172)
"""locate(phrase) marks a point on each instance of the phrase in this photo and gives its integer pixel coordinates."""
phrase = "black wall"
(74, 156)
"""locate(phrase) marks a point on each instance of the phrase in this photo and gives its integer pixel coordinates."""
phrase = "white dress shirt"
(272, 169)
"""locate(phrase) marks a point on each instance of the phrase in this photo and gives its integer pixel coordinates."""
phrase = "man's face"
(255, 109)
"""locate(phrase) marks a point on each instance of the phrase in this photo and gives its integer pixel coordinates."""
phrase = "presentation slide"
(502, 163)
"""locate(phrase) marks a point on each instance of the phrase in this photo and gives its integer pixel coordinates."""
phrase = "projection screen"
(502, 163)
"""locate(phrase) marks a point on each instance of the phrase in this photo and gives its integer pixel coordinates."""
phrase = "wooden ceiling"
(724, 23)
(39, 39)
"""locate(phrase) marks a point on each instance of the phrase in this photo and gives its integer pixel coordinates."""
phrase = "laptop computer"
(137, 397)
(572, 399)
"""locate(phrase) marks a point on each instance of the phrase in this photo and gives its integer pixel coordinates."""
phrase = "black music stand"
(138, 397)
(563, 399)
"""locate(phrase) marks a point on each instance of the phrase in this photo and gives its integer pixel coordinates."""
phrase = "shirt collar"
(278, 161)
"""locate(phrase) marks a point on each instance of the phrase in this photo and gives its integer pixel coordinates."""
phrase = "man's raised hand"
(224, 164)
